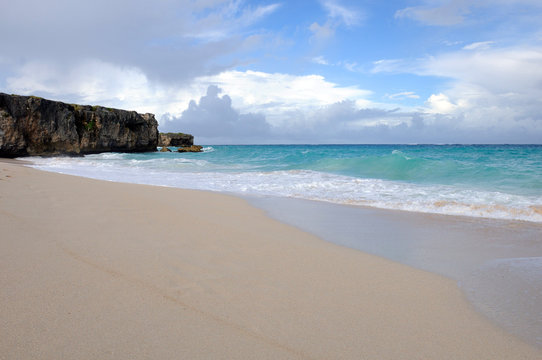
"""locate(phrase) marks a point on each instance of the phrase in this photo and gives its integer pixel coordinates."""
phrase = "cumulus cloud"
(214, 120)
(345, 122)
(276, 94)
(96, 82)
(504, 71)
(268, 108)
(440, 104)
(490, 90)
(492, 96)
(94, 79)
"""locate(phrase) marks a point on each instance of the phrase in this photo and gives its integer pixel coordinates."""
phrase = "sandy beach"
(101, 270)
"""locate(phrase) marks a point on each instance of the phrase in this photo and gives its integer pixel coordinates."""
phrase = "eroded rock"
(31, 125)
(193, 148)
(175, 139)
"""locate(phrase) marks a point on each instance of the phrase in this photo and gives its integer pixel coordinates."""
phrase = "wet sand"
(100, 270)
(496, 263)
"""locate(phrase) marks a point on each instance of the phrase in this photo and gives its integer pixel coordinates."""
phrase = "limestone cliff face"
(34, 126)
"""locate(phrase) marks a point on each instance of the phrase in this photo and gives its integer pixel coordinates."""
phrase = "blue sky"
(323, 71)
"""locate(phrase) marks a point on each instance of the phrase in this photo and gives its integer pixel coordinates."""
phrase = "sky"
(322, 71)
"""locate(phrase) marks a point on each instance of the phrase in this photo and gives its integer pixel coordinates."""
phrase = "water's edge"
(496, 263)
(502, 182)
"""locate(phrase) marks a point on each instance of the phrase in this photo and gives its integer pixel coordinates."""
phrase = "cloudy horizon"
(328, 71)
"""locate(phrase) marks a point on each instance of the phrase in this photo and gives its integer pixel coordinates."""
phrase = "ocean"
(491, 181)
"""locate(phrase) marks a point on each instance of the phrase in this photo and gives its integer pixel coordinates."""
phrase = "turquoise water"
(496, 181)
(517, 169)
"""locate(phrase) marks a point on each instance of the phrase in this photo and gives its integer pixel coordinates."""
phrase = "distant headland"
(33, 126)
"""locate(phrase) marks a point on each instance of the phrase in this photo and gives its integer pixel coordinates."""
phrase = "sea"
(472, 213)
(490, 181)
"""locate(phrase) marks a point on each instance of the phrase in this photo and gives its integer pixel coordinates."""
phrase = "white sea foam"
(192, 173)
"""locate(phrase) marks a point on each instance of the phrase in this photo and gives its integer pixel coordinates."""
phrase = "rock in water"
(193, 148)
(175, 139)
(34, 126)
(164, 149)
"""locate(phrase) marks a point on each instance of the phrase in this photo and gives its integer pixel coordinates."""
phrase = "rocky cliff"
(34, 126)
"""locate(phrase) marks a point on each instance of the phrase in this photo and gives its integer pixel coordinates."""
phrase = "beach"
(103, 270)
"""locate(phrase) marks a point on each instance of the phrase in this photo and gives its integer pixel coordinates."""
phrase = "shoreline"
(392, 179)
(496, 263)
(281, 209)
(96, 269)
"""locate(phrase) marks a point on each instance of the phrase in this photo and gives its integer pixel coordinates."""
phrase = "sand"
(100, 270)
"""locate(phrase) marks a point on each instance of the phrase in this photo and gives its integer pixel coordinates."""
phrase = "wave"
(399, 166)
(198, 173)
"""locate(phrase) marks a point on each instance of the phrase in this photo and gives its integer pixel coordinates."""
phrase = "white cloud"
(97, 83)
(214, 120)
(350, 66)
(227, 20)
(483, 104)
(444, 13)
(404, 95)
(451, 43)
(320, 60)
(454, 12)
(321, 33)
(278, 94)
(92, 80)
(440, 104)
(493, 96)
(504, 70)
(206, 37)
(160, 59)
(482, 45)
(489, 91)
(284, 100)
(494, 88)
(388, 65)
(260, 12)
(348, 17)
(337, 15)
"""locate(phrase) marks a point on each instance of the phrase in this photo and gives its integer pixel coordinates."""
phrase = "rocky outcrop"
(193, 148)
(175, 139)
(34, 126)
